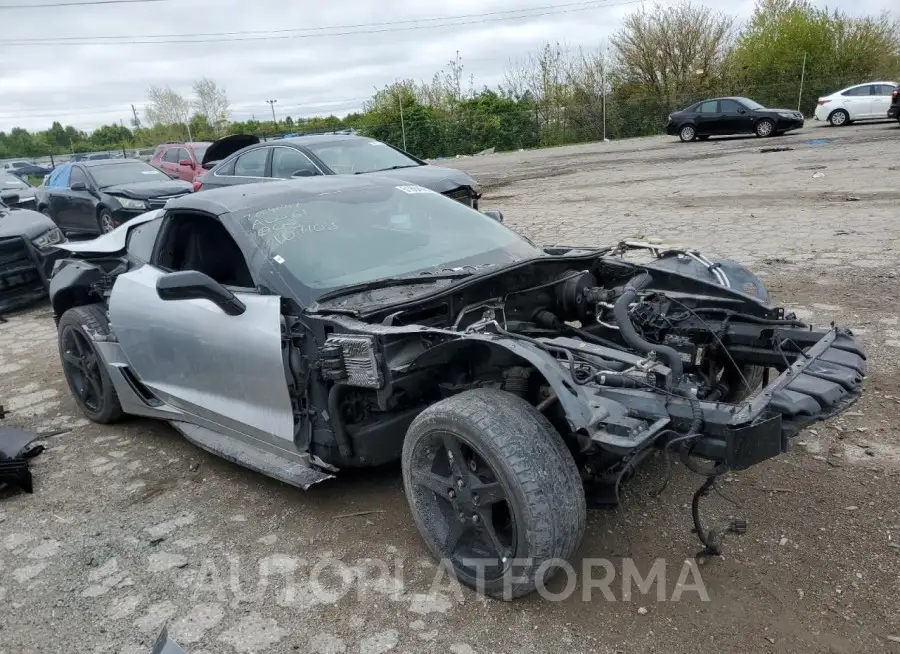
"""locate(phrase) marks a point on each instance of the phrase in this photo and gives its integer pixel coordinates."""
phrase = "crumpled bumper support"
(823, 381)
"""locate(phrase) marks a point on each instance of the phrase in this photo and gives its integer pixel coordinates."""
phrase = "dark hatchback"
(731, 116)
(243, 159)
(95, 197)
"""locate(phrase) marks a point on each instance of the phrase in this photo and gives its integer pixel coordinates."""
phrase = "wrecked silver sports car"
(304, 327)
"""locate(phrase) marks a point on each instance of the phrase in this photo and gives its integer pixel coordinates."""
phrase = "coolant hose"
(335, 395)
(629, 333)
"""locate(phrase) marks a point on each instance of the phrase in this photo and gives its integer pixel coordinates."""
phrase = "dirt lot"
(131, 526)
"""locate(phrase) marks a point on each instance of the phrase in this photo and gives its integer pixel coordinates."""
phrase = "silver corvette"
(305, 327)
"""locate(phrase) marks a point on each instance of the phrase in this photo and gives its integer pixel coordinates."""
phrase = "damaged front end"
(681, 354)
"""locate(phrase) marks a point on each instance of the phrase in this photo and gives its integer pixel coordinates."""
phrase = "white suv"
(861, 102)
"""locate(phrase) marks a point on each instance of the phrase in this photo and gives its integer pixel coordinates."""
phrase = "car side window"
(252, 164)
(171, 155)
(142, 238)
(182, 155)
(884, 89)
(77, 175)
(59, 178)
(287, 161)
(857, 91)
(226, 169)
(708, 107)
(730, 106)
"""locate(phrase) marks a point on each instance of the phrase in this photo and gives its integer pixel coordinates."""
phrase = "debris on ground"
(818, 175)
(16, 448)
(775, 149)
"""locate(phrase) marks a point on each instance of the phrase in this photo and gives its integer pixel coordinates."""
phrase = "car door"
(736, 118)
(708, 118)
(246, 168)
(881, 99)
(184, 167)
(858, 102)
(226, 372)
(169, 162)
(75, 207)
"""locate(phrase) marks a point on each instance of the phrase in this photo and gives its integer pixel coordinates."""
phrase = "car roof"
(94, 163)
(319, 138)
(248, 197)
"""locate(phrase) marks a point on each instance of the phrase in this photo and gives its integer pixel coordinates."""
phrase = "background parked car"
(894, 109)
(23, 169)
(93, 197)
(726, 116)
(869, 101)
(243, 159)
(24, 191)
(27, 253)
(180, 160)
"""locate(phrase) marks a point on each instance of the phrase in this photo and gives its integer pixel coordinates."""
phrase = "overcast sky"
(87, 85)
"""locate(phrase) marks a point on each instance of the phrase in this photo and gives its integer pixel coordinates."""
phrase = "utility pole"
(402, 124)
(137, 122)
(271, 103)
(802, 76)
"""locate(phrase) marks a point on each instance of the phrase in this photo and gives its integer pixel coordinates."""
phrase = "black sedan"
(27, 253)
(13, 184)
(728, 116)
(242, 159)
(93, 197)
(23, 169)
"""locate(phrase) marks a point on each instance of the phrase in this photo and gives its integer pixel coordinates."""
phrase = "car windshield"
(126, 173)
(352, 237)
(359, 155)
(750, 104)
(11, 181)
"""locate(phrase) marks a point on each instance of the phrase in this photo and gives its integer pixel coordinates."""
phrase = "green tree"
(839, 49)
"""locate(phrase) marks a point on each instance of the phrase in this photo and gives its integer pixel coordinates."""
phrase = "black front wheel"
(765, 128)
(85, 372)
(494, 491)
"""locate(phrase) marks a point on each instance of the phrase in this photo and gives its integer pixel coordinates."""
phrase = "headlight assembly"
(51, 237)
(128, 203)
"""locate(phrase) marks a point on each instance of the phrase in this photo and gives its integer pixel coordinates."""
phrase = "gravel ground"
(131, 526)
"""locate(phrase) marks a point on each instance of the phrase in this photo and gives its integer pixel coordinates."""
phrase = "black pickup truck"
(894, 109)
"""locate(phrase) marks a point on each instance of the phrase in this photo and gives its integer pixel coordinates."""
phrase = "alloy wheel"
(688, 133)
(106, 223)
(83, 369)
(467, 505)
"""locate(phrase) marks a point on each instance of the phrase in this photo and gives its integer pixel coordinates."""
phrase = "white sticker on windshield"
(412, 189)
(278, 258)
(149, 172)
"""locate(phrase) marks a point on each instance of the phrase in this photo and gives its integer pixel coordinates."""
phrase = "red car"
(181, 160)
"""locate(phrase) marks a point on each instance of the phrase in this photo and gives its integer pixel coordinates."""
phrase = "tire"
(839, 118)
(105, 221)
(738, 391)
(703, 138)
(764, 128)
(687, 133)
(96, 397)
(526, 458)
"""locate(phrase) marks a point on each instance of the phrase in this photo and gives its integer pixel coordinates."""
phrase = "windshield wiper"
(385, 282)
(381, 170)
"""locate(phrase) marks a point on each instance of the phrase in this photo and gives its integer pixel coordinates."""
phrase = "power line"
(273, 36)
(313, 29)
(80, 3)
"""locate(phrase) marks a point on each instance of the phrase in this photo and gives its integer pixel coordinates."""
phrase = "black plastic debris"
(17, 447)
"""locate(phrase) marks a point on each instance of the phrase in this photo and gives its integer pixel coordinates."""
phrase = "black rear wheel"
(493, 490)
(85, 372)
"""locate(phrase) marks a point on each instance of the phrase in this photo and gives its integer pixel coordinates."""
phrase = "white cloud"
(88, 85)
